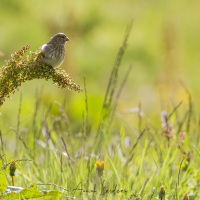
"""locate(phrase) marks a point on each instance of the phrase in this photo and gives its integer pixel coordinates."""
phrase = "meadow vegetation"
(132, 129)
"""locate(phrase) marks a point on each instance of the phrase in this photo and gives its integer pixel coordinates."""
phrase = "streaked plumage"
(54, 50)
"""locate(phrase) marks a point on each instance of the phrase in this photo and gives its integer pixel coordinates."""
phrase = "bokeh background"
(163, 49)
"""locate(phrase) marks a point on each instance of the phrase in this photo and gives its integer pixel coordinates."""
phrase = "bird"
(54, 50)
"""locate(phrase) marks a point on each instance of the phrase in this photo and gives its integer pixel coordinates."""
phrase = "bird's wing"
(46, 48)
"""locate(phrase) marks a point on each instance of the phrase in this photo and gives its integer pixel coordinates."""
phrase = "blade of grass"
(112, 83)
(115, 170)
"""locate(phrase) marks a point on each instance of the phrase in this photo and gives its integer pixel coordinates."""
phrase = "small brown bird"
(54, 50)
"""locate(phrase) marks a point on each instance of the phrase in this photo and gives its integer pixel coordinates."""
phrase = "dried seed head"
(18, 70)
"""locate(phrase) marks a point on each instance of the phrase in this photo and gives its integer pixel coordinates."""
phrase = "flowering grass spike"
(19, 69)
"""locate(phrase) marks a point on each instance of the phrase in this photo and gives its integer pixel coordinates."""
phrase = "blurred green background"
(163, 48)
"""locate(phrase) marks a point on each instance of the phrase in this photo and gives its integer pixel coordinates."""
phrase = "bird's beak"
(67, 39)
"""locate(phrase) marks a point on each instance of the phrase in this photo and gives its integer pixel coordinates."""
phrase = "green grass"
(138, 114)
(140, 154)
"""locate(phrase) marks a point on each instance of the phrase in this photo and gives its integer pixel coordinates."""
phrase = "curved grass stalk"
(19, 69)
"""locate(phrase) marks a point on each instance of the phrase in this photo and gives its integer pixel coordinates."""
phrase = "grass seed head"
(19, 69)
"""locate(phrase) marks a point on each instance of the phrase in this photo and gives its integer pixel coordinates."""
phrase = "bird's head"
(60, 38)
